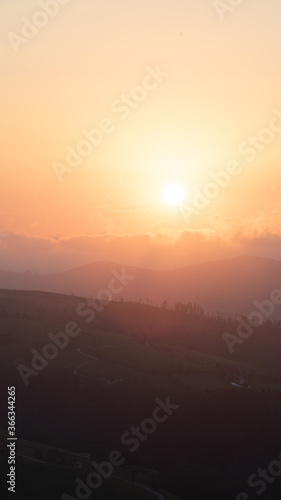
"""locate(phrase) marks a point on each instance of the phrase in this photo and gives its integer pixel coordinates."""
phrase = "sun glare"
(173, 195)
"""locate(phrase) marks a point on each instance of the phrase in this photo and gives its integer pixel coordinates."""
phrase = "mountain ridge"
(230, 286)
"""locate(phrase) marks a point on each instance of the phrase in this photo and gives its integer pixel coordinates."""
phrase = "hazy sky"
(220, 83)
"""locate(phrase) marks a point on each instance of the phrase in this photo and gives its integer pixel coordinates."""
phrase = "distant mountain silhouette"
(229, 286)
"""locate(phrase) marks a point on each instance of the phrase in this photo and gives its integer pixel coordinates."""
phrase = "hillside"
(109, 378)
(142, 326)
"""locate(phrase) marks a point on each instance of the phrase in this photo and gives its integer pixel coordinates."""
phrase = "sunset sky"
(220, 87)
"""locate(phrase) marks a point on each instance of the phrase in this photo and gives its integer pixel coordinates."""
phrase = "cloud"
(166, 249)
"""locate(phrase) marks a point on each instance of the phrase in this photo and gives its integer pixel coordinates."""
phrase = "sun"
(173, 195)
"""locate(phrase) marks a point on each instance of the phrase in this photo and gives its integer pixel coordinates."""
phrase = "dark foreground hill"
(93, 389)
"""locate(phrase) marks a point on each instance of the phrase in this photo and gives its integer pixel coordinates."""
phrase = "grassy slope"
(131, 357)
(52, 480)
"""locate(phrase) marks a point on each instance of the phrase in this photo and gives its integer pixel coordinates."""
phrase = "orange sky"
(220, 86)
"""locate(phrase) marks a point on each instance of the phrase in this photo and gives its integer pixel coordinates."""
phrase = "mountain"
(230, 286)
